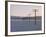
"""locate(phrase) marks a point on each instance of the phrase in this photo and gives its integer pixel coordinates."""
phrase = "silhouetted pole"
(35, 10)
(35, 16)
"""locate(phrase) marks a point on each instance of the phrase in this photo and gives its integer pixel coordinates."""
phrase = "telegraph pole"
(35, 10)
(35, 16)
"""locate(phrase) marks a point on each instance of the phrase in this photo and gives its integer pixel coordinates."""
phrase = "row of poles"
(35, 10)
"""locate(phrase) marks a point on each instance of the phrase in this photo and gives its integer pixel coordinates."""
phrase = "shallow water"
(25, 25)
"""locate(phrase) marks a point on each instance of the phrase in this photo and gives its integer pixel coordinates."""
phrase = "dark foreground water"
(25, 25)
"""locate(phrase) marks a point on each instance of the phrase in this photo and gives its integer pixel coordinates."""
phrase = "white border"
(25, 32)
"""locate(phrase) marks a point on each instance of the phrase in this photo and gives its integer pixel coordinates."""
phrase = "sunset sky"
(25, 10)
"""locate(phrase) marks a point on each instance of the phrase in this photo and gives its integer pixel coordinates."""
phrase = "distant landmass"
(17, 17)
